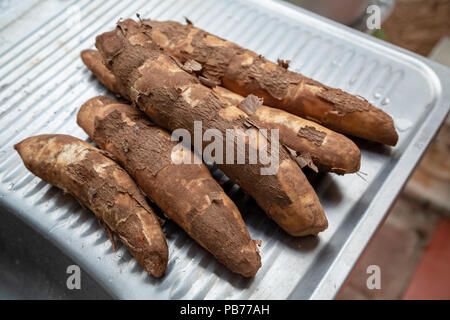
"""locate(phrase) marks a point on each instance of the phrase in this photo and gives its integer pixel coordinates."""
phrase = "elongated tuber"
(186, 193)
(103, 187)
(179, 190)
(90, 59)
(310, 143)
(174, 99)
(245, 72)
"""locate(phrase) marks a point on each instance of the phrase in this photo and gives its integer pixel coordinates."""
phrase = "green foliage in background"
(379, 33)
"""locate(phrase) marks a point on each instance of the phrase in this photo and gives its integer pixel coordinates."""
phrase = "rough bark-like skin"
(175, 99)
(329, 151)
(90, 59)
(103, 187)
(186, 193)
(245, 72)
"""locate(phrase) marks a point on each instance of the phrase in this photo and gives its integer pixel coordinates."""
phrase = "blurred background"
(412, 248)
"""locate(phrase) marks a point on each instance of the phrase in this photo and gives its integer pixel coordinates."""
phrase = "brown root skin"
(246, 72)
(90, 59)
(336, 154)
(175, 99)
(103, 187)
(186, 193)
(330, 151)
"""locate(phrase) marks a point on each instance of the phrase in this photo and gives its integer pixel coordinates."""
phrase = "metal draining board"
(43, 84)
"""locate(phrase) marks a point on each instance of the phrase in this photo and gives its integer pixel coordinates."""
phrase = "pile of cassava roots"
(168, 76)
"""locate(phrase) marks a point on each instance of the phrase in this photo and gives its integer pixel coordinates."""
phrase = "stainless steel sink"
(343, 11)
(43, 83)
(31, 267)
(348, 12)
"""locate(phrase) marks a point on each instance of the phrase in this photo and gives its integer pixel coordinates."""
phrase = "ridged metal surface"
(43, 84)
